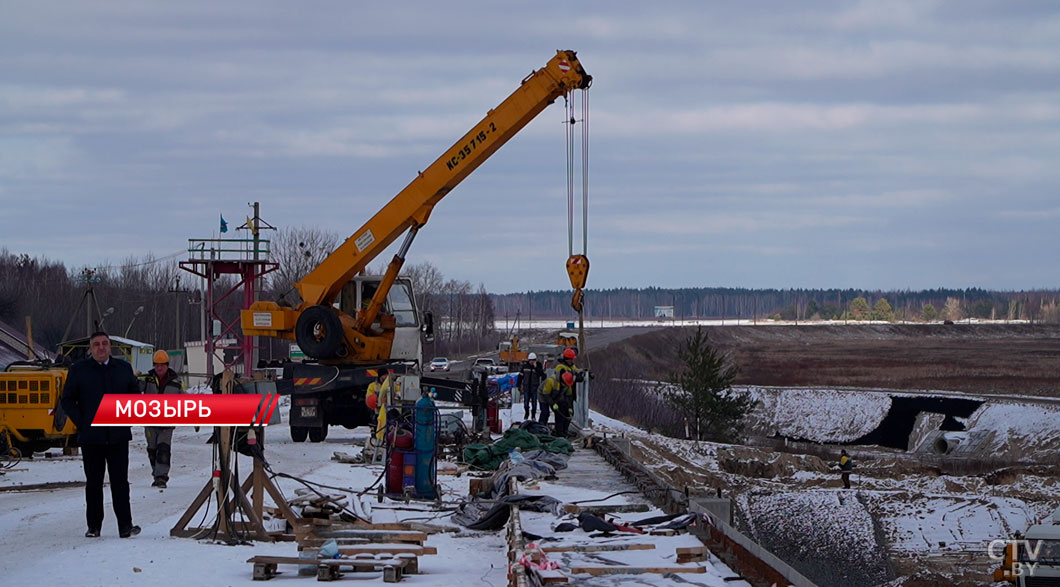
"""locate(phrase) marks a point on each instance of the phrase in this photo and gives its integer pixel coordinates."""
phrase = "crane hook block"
(578, 270)
(577, 300)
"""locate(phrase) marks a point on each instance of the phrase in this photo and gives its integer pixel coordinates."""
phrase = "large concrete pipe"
(947, 442)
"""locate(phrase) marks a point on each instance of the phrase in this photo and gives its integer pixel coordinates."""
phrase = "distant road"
(599, 338)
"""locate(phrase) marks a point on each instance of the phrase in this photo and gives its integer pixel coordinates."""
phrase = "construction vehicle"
(567, 339)
(31, 419)
(511, 354)
(344, 341)
(1032, 559)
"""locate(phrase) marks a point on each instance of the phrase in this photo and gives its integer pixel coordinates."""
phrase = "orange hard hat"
(161, 356)
(568, 378)
(372, 401)
(569, 354)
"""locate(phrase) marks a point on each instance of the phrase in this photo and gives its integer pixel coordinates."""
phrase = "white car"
(439, 364)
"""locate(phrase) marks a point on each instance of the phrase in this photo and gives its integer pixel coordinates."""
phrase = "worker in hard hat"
(160, 379)
(565, 365)
(376, 398)
(531, 376)
(559, 392)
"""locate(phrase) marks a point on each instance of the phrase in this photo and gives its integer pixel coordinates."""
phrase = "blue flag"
(224, 225)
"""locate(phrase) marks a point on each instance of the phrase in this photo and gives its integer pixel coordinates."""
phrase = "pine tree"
(929, 313)
(883, 311)
(859, 309)
(702, 391)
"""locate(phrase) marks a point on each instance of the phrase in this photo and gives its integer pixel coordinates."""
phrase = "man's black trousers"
(97, 459)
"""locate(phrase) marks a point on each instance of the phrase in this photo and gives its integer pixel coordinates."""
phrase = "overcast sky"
(773, 144)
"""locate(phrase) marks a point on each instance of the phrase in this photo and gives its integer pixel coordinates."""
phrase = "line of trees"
(791, 304)
(154, 300)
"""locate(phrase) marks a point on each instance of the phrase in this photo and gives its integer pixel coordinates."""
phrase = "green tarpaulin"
(490, 456)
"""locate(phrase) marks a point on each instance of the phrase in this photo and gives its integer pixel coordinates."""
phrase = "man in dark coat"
(102, 447)
(531, 375)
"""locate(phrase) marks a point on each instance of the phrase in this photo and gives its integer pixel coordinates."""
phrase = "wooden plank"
(622, 570)
(377, 548)
(375, 535)
(333, 562)
(543, 577)
(691, 554)
(571, 508)
(41, 486)
(595, 547)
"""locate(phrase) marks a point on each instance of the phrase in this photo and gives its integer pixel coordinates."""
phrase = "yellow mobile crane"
(348, 340)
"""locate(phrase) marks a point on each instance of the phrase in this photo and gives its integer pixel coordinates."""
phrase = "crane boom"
(330, 334)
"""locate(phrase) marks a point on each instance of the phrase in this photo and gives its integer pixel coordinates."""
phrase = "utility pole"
(178, 338)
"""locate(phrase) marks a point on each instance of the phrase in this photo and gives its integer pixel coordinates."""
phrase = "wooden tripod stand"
(223, 481)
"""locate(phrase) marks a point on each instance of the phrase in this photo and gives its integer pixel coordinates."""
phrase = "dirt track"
(1021, 359)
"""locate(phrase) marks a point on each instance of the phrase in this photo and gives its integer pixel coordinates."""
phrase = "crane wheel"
(318, 434)
(298, 433)
(319, 332)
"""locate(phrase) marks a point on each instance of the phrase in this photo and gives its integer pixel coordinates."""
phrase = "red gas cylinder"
(400, 440)
(493, 417)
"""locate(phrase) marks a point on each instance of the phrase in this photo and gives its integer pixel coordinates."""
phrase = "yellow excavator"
(347, 331)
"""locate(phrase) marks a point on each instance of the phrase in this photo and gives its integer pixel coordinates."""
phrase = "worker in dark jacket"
(531, 374)
(102, 447)
(846, 465)
(160, 379)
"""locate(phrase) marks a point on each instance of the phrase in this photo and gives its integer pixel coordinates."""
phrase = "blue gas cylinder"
(426, 440)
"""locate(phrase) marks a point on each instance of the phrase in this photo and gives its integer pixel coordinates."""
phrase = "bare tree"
(952, 310)
(297, 251)
(427, 282)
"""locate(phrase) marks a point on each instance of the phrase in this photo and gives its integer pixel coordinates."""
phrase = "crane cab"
(400, 303)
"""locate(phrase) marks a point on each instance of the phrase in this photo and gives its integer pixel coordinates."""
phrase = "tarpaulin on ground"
(501, 384)
(493, 515)
(490, 456)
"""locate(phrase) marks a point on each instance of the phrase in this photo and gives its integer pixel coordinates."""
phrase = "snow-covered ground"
(890, 508)
(794, 504)
(41, 532)
(1017, 428)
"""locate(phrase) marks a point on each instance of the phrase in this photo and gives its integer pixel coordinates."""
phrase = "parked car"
(439, 364)
(486, 365)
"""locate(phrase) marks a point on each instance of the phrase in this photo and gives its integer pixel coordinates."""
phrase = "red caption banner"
(250, 409)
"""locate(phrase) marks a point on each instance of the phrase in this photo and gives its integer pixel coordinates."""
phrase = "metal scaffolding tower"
(213, 258)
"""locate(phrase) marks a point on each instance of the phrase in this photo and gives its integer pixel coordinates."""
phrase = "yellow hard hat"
(161, 357)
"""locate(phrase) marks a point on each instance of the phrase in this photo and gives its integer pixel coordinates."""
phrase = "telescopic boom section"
(409, 208)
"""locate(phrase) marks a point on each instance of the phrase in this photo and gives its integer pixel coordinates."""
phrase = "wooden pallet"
(394, 567)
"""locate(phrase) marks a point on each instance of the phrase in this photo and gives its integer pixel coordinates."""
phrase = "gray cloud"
(819, 144)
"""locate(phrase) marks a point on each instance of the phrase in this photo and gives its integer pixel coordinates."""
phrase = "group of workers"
(105, 449)
(557, 391)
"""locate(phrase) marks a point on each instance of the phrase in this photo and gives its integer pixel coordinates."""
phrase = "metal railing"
(228, 249)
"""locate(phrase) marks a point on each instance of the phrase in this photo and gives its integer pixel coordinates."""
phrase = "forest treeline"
(154, 300)
(787, 304)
